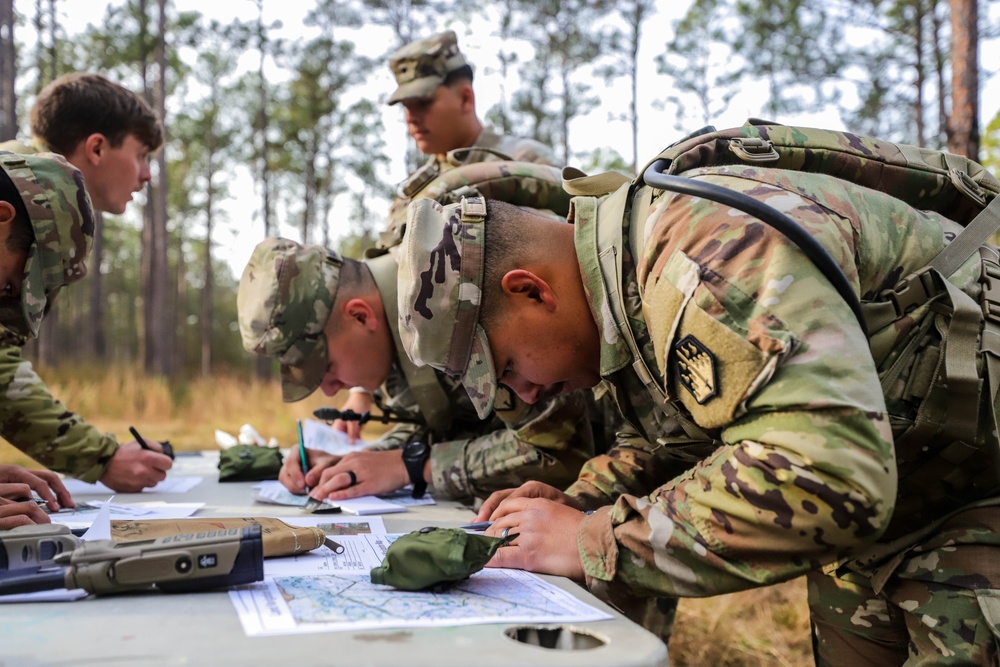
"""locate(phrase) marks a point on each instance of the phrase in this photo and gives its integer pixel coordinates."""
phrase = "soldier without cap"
(755, 351)
(331, 322)
(107, 132)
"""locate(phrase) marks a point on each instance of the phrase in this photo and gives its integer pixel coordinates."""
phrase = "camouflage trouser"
(940, 605)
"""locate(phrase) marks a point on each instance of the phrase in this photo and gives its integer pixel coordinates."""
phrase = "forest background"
(276, 124)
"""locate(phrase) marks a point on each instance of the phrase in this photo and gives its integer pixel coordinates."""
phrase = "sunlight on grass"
(185, 412)
(768, 626)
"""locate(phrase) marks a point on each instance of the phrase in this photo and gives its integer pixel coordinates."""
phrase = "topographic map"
(322, 591)
(491, 595)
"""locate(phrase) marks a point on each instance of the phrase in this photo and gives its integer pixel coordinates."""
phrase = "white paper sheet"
(319, 435)
(83, 518)
(323, 592)
(273, 492)
(179, 484)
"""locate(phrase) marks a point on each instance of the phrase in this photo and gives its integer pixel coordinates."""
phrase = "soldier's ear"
(7, 214)
(94, 147)
(360, 311)
(520, 283)
(467, 97)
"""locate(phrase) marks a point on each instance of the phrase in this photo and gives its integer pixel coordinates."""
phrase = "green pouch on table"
(249, 463)
(433, 556)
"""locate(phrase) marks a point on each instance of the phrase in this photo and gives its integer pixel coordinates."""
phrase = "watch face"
(414, 450)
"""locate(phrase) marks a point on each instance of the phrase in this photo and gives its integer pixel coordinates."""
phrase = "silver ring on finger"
(504, 533)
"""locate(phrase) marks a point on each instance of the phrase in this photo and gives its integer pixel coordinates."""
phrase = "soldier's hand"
(291, 475)
(375, 472)
(361, 402)
(133, 468)
(45, 483)
(546, 537)
(527, 490)
(14, 514)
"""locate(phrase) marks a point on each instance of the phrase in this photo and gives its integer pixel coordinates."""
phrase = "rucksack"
(941, 459)
(536, 186)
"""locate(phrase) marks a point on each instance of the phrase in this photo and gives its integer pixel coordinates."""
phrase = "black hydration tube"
(819, 256)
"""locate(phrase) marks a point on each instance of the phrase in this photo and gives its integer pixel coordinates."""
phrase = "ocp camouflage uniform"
(419, 68)
(764, 444)
(285, 298)
(62, 219)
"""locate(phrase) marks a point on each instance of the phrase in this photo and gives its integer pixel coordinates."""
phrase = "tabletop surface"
(203, 629)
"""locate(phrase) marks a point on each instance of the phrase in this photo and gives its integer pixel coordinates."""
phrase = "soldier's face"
(559, 355)
(439, 123)
(119, 172)
(357, 352)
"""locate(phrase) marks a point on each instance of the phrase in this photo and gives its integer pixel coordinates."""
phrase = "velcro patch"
(694, 368)
(713, 368)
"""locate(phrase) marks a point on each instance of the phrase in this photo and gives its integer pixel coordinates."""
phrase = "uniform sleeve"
(36, 423)
(547, 443)
(753, 343)
(631, 466)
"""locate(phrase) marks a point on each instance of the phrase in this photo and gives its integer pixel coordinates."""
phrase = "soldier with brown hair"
(107, 133)
(103, 129)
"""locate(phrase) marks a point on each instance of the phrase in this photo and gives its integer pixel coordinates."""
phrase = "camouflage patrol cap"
(62, 218)
(285, 298)
(421, 66)
(440, 291)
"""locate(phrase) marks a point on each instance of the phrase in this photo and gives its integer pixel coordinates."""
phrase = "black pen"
(167, 449)
(138, 438)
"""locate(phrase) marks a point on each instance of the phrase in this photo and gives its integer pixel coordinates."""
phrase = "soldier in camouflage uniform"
(46, 226)
(763, 445)
(331, 322)
(435, 89)
(107, 132)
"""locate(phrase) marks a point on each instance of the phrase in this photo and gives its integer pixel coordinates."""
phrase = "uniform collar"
(615, 354)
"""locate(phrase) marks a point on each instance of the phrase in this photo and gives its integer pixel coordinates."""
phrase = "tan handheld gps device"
(176, 564)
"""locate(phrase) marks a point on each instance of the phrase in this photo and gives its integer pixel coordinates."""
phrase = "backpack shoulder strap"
(610, 215)
(433, 401)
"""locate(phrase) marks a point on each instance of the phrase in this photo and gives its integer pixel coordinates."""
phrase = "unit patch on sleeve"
(695, 369)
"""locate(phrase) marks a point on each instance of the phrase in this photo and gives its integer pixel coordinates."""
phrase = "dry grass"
(763, 627)
(768, 626)
(185, 412)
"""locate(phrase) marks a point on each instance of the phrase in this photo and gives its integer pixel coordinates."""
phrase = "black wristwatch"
(415, 455)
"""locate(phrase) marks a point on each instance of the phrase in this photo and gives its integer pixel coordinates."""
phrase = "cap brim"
(422, 88)
(480, 378)
(301, 380)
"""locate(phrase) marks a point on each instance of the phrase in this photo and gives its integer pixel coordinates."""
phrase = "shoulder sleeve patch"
(712, 369)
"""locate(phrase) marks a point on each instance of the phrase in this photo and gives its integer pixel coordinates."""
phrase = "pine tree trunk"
(94, 329)
(8, 72)
(963, 124)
